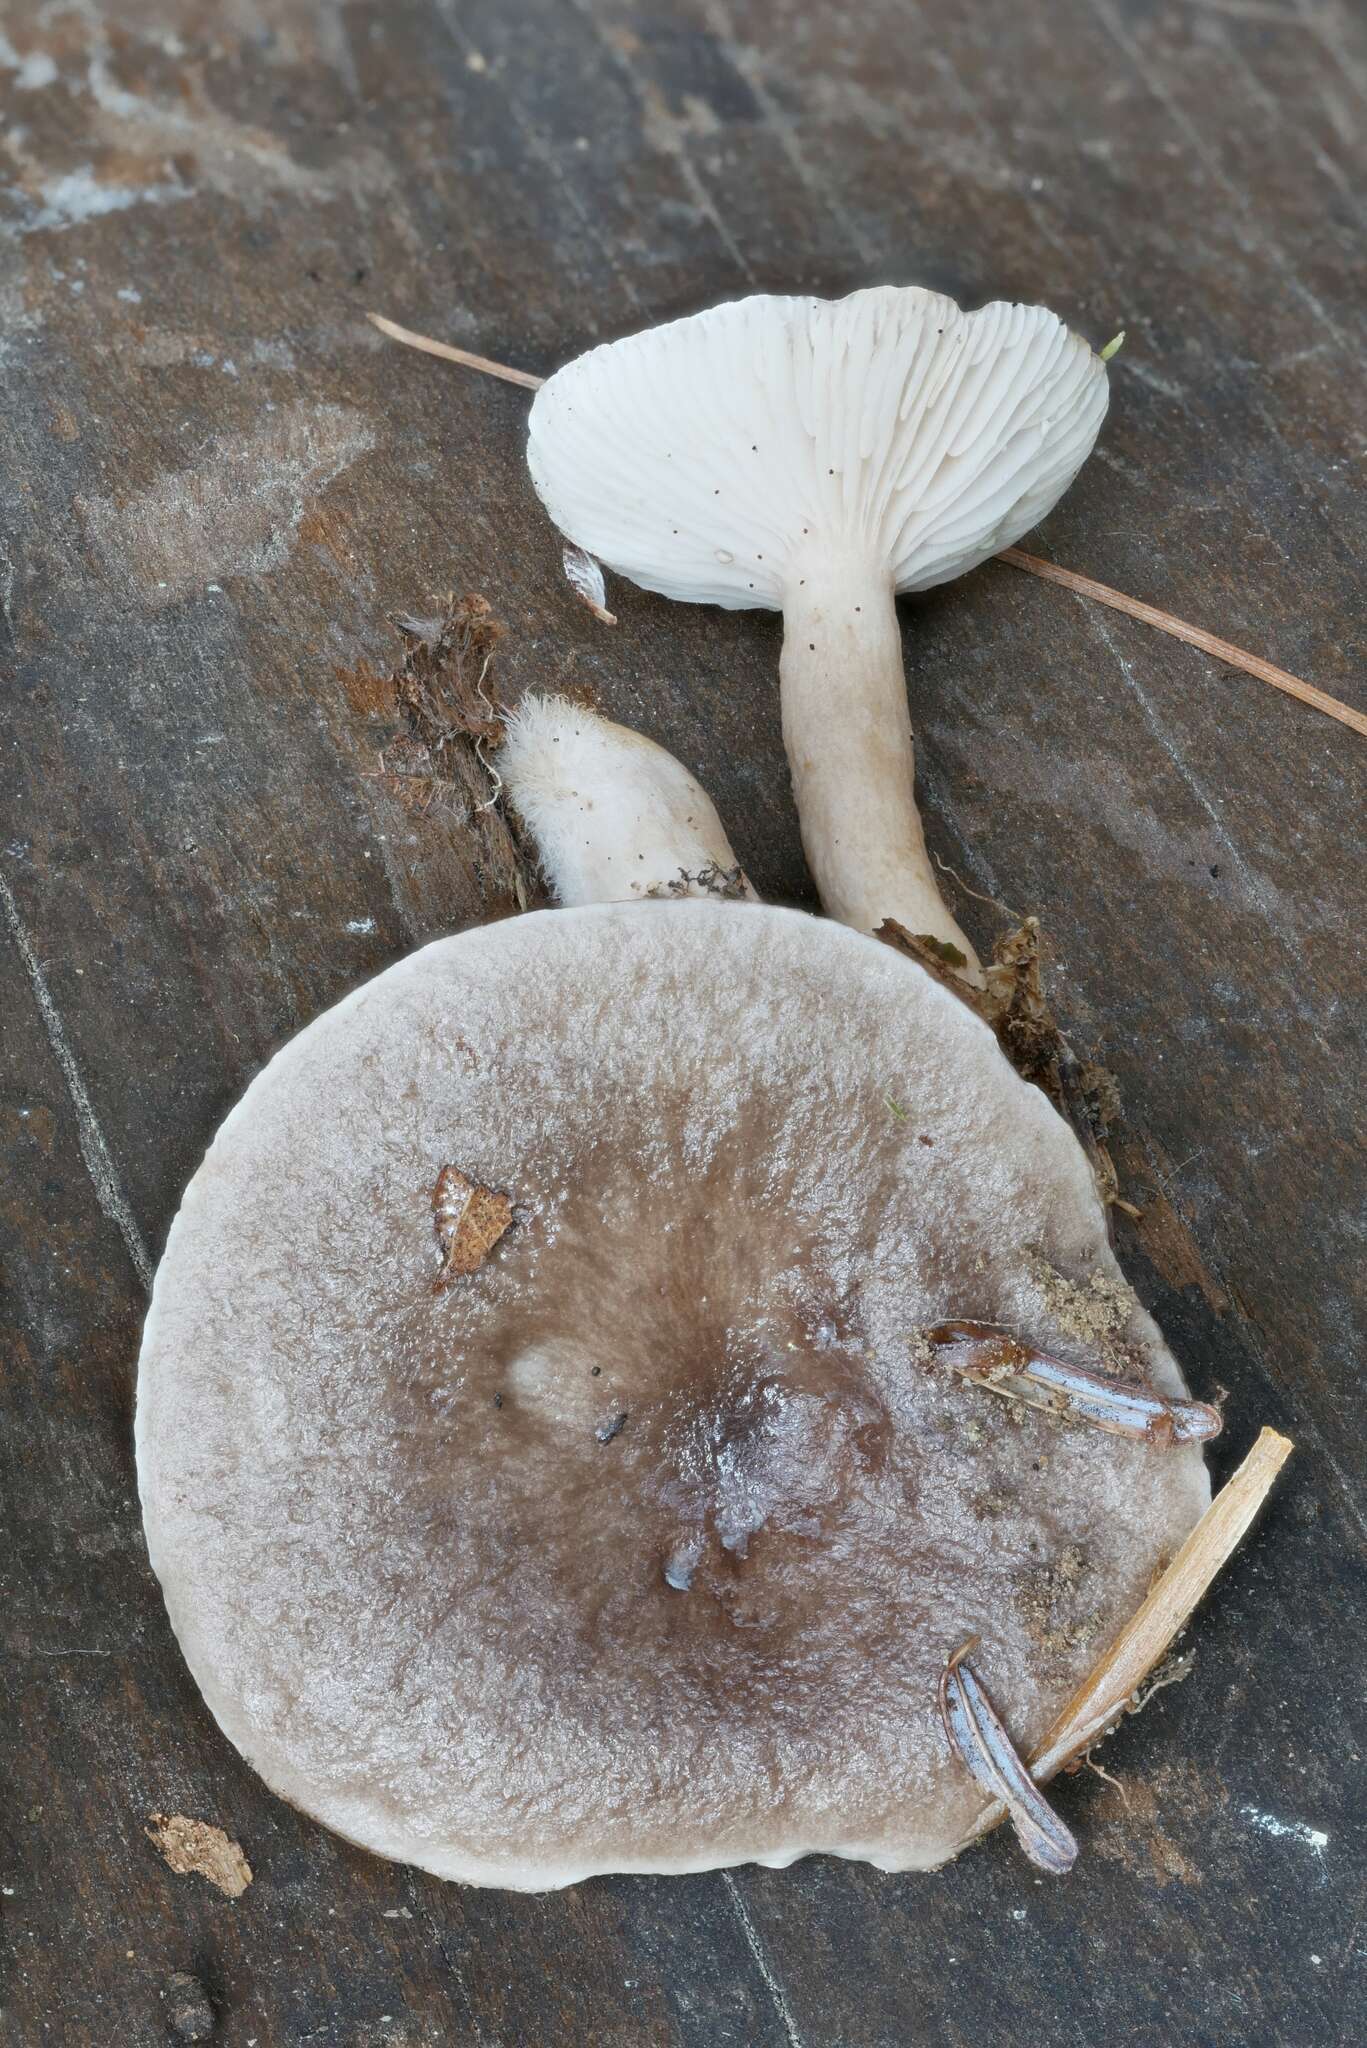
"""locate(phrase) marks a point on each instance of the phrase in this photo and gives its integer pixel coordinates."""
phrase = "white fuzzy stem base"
(848, 736)
(614, 816)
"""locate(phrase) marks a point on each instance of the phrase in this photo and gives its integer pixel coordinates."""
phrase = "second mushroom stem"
(848, 735)
(614, 816)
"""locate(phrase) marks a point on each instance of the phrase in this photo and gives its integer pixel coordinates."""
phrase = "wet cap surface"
(643, 1545)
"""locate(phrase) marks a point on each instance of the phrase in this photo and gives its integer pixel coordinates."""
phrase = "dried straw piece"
(1113, 1686)
(1194, 636)
(1150, 1633)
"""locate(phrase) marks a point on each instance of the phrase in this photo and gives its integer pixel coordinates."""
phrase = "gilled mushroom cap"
(706, 457)
(642, 1545)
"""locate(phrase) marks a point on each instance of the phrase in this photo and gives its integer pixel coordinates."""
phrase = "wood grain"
(219, 484)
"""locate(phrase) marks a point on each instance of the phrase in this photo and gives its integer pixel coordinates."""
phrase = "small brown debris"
(980, 1741)
(1174, 1670)
(189, 2014)
(930, 954)
(729, 884)
(1018, 1012)
(606, 1431)
(436, 763)
(1049, 1596)
(1130, 1831)
(197, 1847)
(370, 694)
(1013, 1004)
(990, 1505)
(1095, 1312)
(469, 1220)
(921, 1349)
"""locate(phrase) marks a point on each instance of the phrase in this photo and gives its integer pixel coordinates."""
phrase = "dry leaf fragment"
(1013, 1004)
(196, 1846)
(586, 581)
(979, 1740)
(436, 765)
(993, 1358)
(469, 1221)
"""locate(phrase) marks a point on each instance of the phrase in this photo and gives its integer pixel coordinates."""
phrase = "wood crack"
(99, 1161)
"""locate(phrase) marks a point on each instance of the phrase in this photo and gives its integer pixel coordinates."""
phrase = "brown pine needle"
(453, 355)
(1195, 636)
(1085, 586)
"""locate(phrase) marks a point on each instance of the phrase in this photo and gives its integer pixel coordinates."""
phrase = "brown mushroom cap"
(433, 1586)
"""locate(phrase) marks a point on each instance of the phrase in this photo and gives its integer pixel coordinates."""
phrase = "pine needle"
(454, 355)
(1195, 636)
(1084, 586)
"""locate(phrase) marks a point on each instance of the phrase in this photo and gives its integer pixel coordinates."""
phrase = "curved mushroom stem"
(849, 742)
(614, 815)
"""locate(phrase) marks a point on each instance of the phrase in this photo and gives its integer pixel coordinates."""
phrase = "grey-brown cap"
(641, 1544)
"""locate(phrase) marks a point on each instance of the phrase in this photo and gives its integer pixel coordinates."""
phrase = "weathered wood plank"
(219, 483)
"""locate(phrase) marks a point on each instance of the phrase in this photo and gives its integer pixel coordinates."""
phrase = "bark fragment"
(196, 1847)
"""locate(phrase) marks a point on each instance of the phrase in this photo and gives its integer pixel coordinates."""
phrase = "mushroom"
(615, 815)
(820, 458)
(636, 1536)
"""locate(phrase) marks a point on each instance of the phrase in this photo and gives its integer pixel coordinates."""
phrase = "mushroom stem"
(614, 815)
(849, 742)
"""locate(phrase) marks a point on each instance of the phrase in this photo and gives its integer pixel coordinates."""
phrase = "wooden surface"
(217, 485)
